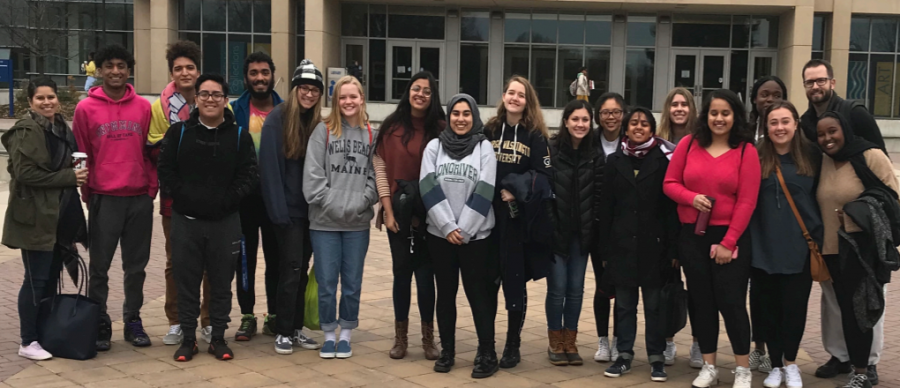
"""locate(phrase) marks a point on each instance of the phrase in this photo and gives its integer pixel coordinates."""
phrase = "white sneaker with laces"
(671, 352)
(283, 344)
(304, 341)
(696, 356)
(602, 354)
(206, 334)
(613, 352)
(858, 381)
(174, 336)
(34, 351)
(776, 377)
(743, 377)
(709, 376)
(793, 376)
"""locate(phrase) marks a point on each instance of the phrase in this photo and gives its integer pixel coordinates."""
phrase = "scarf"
(460, 146)
(174, 106)
(853, 151)
(641, 150)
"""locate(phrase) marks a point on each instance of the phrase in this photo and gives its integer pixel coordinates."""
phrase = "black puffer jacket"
(577, 183)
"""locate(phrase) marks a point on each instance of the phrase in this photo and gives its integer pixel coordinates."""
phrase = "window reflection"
(517, 27)
(641, 31)
(639, 77)
(475, 26)
(473, 81)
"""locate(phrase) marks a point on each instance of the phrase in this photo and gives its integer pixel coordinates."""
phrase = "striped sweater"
(457, 193)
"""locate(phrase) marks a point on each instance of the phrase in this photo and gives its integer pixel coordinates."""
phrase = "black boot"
(511, 356)
(487, 362)
(446, 361)
(104, 335)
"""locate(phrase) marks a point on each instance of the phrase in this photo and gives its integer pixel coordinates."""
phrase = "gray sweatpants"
(113, 219)
(833, 332)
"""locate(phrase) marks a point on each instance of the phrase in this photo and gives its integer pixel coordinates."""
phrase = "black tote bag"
(673, 304)
(68, 324)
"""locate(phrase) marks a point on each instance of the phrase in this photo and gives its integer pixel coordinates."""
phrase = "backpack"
(240, 129)
(573, 87)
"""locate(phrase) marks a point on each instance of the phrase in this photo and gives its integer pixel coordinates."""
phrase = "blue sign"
(6, 75)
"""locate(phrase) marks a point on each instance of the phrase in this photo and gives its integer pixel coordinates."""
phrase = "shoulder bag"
(816, 263)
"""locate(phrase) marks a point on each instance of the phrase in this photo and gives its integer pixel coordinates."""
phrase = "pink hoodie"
(113, 134)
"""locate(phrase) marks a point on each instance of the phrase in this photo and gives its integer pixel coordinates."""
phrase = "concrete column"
(284, 47)
(495, 59)
(323, 33)
(837, 48)
(661, 80)
(142, 46)
(795, 49)
(451, 69)
(617, 57)
(163, 31)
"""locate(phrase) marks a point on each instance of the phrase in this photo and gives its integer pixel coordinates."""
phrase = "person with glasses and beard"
(250, 112)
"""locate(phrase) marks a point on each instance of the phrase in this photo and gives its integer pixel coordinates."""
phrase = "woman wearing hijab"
(850, 166)
(638, 229)
(457, 186)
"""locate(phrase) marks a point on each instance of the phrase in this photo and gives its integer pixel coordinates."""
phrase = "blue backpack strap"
(180, 137)
(240, 129)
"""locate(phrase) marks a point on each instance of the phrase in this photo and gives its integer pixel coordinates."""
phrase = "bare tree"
(40, 27)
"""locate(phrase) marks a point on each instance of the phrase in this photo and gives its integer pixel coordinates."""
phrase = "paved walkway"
(257, 365)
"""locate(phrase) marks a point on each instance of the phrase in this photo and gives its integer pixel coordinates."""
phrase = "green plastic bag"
(311, 310)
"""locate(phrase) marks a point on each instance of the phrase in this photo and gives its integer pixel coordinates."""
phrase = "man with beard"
(818, 79)
(250, 111)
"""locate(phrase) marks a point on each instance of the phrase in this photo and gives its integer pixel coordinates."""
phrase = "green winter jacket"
(34, 188)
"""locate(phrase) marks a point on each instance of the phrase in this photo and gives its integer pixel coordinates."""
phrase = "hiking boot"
(832, 368)
(619, 368)
(34, 351)
(247, 329)
(134, 333)
(511, 355)
(187, 350)
(569, 344)
(557, 351)
(445, 362)
(431, 351)
(658, 372)
(174, 336)
(305, 342)
(488, 364)
(401, 339)
(219, 347)
(269, 325)
(283, 344)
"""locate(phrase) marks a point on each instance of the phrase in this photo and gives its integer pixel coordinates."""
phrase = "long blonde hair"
(298, 124)
(665, 125)
(532, 116)
(333, 121)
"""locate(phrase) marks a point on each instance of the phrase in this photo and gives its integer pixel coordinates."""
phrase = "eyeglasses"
(611, 113)
(818, 81)
(207, 95)
(311, 91)
(425, 91)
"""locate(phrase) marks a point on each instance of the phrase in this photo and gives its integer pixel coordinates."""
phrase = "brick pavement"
(257, 365)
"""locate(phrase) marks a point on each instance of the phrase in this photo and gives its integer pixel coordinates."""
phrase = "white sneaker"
(743, 377)
(602, 354)
(776, 377)
(613, 352)
(696, 356)
(670, 352)
(793, 376)
(283, 344)
(34, 351)
(304, 341)
(174, 336)
(708, 377)
(206, 334)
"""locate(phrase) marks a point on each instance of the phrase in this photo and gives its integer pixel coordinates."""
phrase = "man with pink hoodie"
(111, 126)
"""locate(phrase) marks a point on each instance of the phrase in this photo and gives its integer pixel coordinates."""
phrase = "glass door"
(405, 59)
(714, 70)
(355, 61)
(700, 71)
(685, 69)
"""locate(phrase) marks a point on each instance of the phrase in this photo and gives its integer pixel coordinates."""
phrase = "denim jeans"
(626, 307)
(565, 289)
(339, 256)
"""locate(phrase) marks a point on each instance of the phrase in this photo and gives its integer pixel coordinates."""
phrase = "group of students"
(501, 203)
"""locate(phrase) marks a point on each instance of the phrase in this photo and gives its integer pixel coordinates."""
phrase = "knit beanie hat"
(307, 74)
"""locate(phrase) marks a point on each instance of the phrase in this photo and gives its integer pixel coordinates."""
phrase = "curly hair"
(114, 51)
(183, 49)
(739, 133)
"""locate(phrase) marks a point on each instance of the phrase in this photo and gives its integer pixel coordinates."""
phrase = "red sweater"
(732, 180)
(403, 162)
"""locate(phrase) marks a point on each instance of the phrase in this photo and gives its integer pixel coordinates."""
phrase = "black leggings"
(847, 278)
(253, 220)
(405, 265)
(480, 271)
(783, 300)
(716, 288)
(602, 303)
(41, 276)
(757, 313)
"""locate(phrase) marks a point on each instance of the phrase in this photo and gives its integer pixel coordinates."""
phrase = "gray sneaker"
(174, 336)
(283, 345)
(305, 342)
(206, 334)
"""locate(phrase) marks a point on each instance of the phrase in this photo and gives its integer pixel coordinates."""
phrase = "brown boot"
(556, 351)
(431, 352)
(400, 339)
(570, 348)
